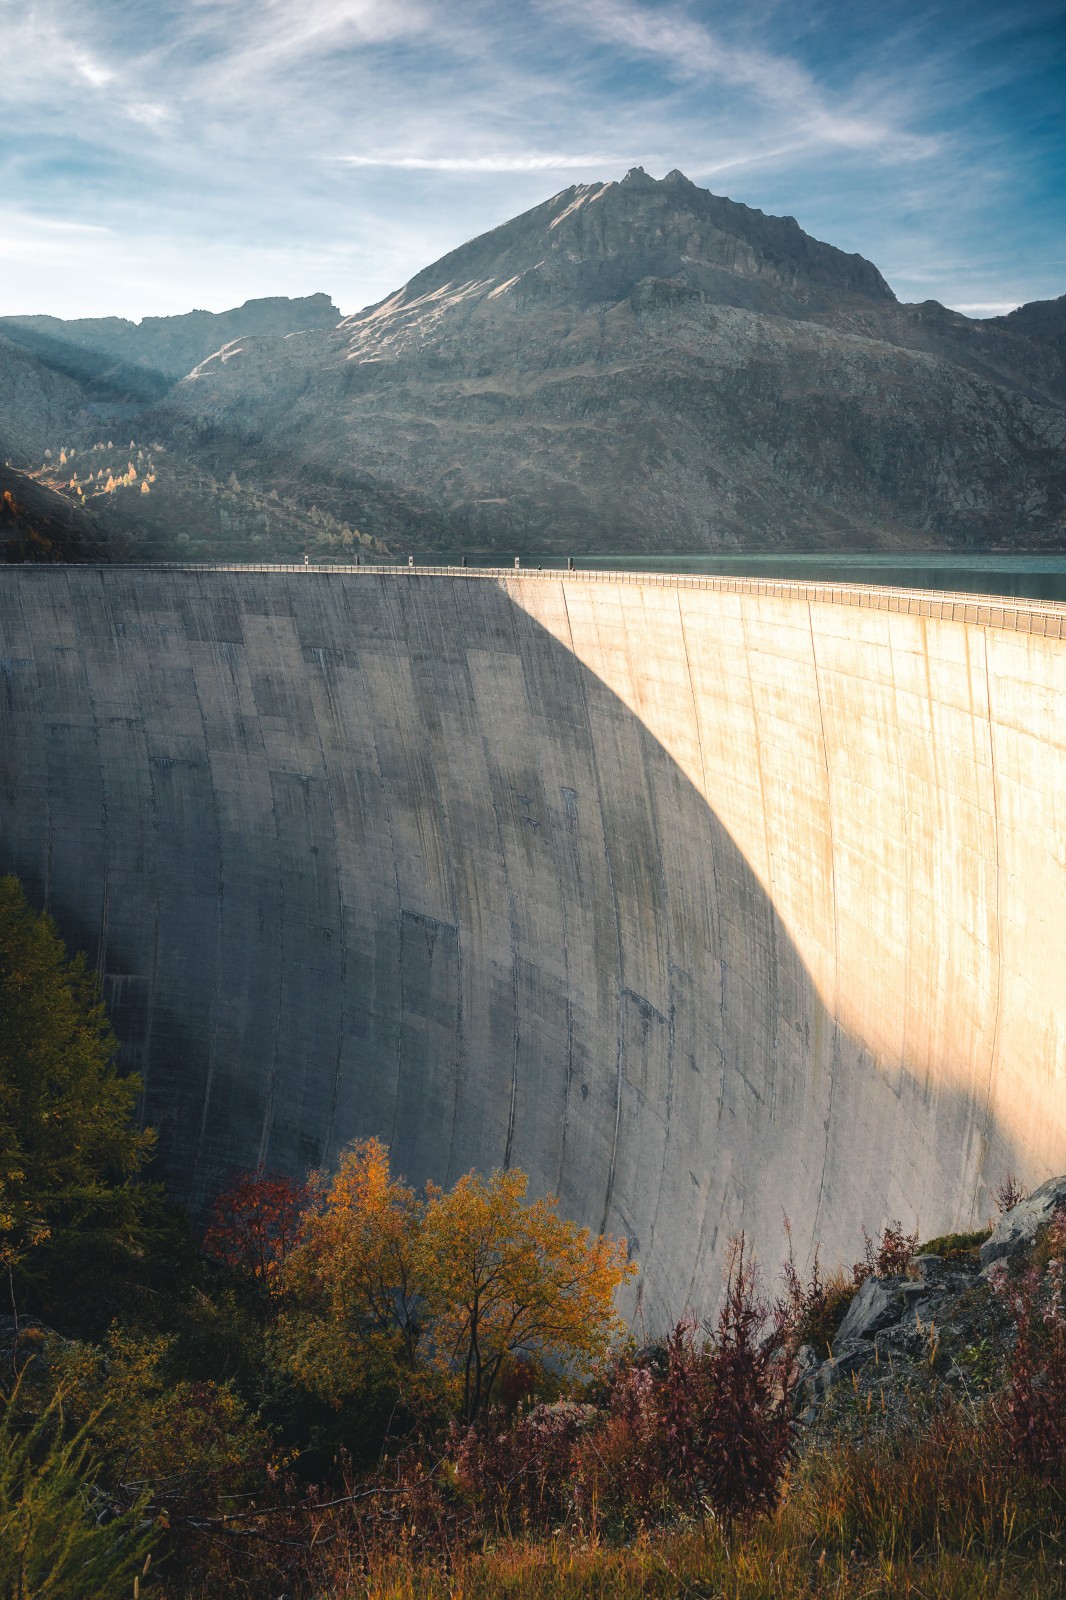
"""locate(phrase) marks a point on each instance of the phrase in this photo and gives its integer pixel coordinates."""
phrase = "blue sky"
(163, 154)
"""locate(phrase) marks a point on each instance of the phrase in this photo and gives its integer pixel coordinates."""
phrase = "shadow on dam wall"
(361, 854)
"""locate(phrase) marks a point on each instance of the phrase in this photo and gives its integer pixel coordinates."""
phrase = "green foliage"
(70, 1154)
(951, 1245)
(194, 1444)
(61, 1537)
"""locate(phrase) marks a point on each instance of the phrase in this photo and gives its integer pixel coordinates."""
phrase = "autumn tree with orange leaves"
(434, 1294)
(350, 1288)
(509, 1278)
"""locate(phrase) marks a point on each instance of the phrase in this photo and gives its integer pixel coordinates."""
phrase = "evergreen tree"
(70, 1153)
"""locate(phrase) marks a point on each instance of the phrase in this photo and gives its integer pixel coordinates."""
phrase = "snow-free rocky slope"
(646, 366)
(114, 358)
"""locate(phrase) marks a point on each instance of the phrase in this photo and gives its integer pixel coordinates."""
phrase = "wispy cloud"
(529, 162)
(693, 51)
(256, 146)
(95, 73)
(986, 308)
(252, 42)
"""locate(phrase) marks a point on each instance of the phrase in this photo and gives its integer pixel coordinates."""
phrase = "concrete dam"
(702, 900)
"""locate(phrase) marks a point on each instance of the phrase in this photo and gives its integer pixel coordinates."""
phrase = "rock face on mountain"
(72, 396)
(646, 366)
(147, 356)
(38, 404)
(1041, 320)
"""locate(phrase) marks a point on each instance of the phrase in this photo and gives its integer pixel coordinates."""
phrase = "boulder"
(878, 1303)
(1015, 1232)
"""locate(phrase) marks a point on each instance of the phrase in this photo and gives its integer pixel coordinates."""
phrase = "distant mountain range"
(633, 366)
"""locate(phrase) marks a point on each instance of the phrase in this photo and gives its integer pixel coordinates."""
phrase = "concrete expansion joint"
(1022, 615)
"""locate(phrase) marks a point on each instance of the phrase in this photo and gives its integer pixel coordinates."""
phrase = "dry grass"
(942, 1514)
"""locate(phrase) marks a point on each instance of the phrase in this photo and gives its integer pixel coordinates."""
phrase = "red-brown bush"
(888, 1256)
(1033, 1406)
(1008, 1194)
(255, 1223)
(715, 1431)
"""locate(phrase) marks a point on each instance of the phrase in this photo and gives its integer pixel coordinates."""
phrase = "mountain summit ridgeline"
(644, 366)
(597, 243)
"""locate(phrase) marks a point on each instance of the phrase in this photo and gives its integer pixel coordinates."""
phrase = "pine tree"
(69, 1150)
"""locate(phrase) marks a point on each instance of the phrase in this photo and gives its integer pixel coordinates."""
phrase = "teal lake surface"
(1034, 577)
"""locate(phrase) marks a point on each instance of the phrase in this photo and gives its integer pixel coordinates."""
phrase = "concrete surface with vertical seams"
(702, 900)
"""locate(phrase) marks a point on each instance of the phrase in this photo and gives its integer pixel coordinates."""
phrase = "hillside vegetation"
(344, 1387)
(152, 505)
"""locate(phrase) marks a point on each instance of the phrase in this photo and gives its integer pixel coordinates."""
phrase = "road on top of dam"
(702, 899)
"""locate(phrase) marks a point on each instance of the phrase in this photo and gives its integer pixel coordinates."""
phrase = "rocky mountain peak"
(596, 243)
(642, 364)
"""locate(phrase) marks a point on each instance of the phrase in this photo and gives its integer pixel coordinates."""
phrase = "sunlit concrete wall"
(701, 904)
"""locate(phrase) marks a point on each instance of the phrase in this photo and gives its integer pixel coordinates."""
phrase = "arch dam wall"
(699, 899)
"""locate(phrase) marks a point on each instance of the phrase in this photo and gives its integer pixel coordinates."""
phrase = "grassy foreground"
(944, 1512)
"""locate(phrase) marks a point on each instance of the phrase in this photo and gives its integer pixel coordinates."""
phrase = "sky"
(160, 155)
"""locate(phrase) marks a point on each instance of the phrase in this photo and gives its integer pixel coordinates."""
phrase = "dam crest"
(701, 899)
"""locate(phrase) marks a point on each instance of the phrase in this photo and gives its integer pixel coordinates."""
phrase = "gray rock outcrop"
(879, 1302)
(1015, 1232)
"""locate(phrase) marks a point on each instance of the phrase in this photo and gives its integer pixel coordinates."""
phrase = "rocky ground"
(945, 1327)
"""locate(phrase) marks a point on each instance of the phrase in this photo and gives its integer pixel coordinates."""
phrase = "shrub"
(255, 1225)
(521, 1477)
(187, 1452)
(714, 1432)
(1033, 1406)
(887, 1257)
(954, 1245)
(811, 1312)
(1009, 1194)
(737, 1439)
(61, 1536)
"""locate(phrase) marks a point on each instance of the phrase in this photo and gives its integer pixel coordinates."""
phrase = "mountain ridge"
(643, 365)
(115, 351)
(636, 365)
(767, 246)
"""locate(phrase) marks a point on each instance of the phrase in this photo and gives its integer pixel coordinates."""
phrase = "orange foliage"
(352, 1285)
(507, 1277)
(436, 1295)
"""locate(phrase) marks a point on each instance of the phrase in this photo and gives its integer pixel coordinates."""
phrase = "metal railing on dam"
(699, 898)
(1025, 615)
